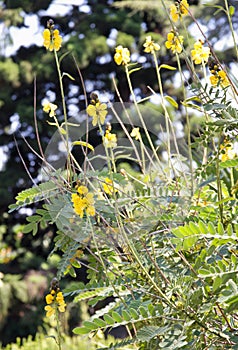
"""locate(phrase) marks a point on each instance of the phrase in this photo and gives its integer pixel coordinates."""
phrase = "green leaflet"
(114, 319)
(35, 194)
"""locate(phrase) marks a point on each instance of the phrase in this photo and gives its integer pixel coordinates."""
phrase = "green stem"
(219, 188)
(141, 118)
(64, 112)
(106, 270)
(167, 119)
(58, 330)
(190, 156)
(231, 27)
(140, 263)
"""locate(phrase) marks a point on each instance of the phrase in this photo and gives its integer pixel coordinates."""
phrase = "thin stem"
(58, 330)
(141, 118)
(164, 108)
(190, 156)
(218, 179)
(231, 27)
(64, 112)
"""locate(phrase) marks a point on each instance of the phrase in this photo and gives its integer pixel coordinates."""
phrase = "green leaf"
(220, 228)
(216, 283)
(108, 319)
(126, 315)
(28, 228)
(81, 330)
(166, 66)
(203, 272)
(83, 143)
(172, 101)
(147, 333)
(202, 227)
(230, 163)
(90, 325)
(99, 322)
(134, 313)
(143, 311)
(67, 75)
(116, 316)
(211, 228)
(134, 70)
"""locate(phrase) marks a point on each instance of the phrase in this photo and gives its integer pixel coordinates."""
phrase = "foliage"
(45, 343)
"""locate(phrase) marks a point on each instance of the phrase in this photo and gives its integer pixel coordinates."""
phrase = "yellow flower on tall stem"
(219, 78)
(179, 9)
(52, 39)
(122, 55)
(174, 42)
(150, 46)
(55, 301)
(50, 108)
(98, 112)
(109, 139)
(200, 54)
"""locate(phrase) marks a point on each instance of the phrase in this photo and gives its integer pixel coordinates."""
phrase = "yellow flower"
(82, 190)
(174, 42)
(150, 46)
(83, 201)
(109, 140)
(49, 310)
(49, 299)
(214, 79)
(227, 151)
(136, 133)
(61, 307)
(52, 39)
(184, 7)
(108, 186)
(200, 54)
(50, 108)
(219, 78)
(61, 303)
(122, 55)
(178, 10)
(174, 13)
(223, 77)
(98, 112)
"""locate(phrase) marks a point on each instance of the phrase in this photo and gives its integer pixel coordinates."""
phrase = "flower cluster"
(174, 42)
(218, 76)
(150, 46)
(179, 9)
(122, 55)
(55, 301)
(97, 110)
(200, 54)
(50, 108)
(109, 139)
(83, 201)
(227, 151)
(52, 38)
(109, 186)
(136, 133)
